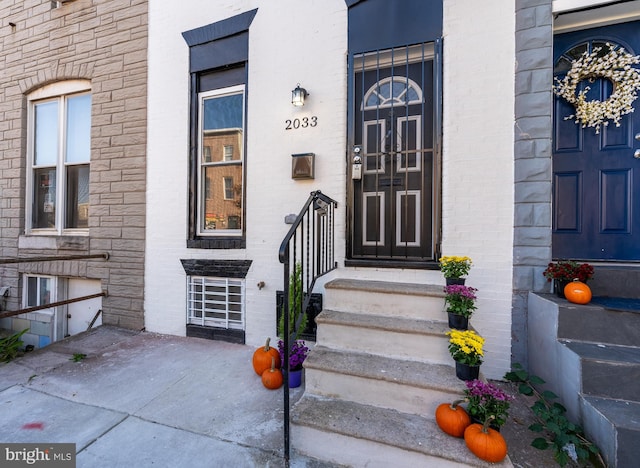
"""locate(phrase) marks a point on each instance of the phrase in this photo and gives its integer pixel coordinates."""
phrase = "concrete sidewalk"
(142, 399)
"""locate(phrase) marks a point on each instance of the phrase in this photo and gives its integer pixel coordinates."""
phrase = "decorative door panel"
(596, 174)
(393, 129)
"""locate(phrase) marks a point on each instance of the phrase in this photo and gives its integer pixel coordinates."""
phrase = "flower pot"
(457, 321)
(450, 281)
(558, 287)
(295, 378)
(466, 372)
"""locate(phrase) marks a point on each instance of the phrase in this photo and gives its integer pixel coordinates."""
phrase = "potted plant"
(454, 268)
(297, 355)
(486, 401)
(466, 350)
(460, 301)
(563, 272)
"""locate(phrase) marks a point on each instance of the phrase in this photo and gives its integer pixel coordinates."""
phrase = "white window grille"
(216, 302)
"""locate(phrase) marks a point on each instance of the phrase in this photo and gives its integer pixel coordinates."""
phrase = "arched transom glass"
(391, 92)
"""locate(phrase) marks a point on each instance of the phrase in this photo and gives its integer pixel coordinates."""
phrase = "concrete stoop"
(378, 371)
(354, 434)
(609, 377)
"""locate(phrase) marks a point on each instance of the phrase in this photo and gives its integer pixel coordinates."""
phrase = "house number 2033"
(304, 122)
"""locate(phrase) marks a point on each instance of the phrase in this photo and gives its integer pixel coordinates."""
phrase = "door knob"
(636, 154)
(638, 136)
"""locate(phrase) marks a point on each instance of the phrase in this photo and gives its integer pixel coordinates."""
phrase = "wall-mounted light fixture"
(298, 96)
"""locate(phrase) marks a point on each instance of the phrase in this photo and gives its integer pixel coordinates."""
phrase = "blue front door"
(596, 177)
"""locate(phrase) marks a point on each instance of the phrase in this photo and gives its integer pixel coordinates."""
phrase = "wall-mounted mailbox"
(303, 166)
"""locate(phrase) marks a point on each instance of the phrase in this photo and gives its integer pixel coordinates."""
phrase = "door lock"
(637, 136)
(356, 166)
(637, 154)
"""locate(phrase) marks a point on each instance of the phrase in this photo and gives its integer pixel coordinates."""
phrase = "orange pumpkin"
(577, 292)
(262, 358)
(272, 378)
(485, 443)
(452, 418)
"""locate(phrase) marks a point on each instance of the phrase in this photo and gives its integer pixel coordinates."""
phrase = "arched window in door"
(390, 92)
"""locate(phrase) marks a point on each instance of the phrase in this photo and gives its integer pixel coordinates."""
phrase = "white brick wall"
(479, 51)
(308, 46)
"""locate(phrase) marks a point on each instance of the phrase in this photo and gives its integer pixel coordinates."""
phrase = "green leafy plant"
(10, 346)
(567, 440)
(460, 299)
(296, 297)
(77, 357)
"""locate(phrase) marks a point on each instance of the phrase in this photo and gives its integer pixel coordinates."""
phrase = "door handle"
(636, 154)
(637, 136)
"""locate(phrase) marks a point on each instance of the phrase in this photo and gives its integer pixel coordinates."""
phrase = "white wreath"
(616, 67)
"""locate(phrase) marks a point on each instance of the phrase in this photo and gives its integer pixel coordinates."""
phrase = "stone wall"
(104, 41)
(533, 114)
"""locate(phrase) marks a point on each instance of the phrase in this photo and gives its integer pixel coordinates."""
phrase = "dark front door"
(596, 178)
(393, 129)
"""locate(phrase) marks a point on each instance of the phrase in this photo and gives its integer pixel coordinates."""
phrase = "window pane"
(32, 291)
(217, 209)
(44, 198)
(44, 295)
(78, 129)
(77, 207)
(222, 112)
(46, 133)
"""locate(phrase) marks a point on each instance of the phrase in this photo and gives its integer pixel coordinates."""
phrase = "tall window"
(221, 159)
(59, 155)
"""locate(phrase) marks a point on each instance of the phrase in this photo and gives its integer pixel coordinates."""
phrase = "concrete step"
(396, 337)
(608, 371)
(594, 323)
(420, 301)
(614, 426)
(616, 281)
(406, 386)
(354, 434)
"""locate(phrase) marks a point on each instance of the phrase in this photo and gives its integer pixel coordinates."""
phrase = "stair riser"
(414, 347)
(420, 307)
(406, 398)
(608, 380)
(594, 324)
(618, 445)
(353, 451)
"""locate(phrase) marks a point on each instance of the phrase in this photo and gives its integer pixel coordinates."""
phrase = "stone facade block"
(104, 41)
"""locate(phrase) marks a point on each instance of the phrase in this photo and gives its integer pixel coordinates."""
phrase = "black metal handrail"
(53, 258)
(309, 245)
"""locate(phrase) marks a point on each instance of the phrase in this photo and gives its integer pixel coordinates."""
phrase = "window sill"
(53, 242)
(217, 243)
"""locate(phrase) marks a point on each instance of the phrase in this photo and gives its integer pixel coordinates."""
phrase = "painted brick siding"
(478, 167)
(104, 41)
(307, 47)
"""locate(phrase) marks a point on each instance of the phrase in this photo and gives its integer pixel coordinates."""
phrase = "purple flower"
(486, 400)
(297, 355)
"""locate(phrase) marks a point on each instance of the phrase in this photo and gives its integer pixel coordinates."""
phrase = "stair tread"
(621, 413)
(604, 352)
(391, 324)
(387, 287)
(414, 373)
(389, 427)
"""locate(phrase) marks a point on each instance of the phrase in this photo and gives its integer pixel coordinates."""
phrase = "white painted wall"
(478, 166)
(309, 46)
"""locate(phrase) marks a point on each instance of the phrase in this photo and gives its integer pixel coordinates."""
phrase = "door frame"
(436, 213)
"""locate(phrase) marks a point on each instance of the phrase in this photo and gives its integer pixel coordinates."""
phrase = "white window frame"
(52, 92)
(53, 312)
(199, 307)
(200, 191)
